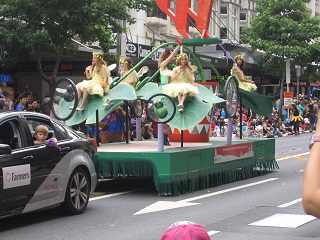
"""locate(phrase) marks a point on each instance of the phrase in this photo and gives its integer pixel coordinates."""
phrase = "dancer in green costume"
(166, 65)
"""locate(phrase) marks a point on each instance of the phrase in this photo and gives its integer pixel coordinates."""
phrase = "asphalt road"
(264, 207)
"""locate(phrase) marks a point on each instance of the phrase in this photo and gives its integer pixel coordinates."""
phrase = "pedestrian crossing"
(263, 219)
(284, 220)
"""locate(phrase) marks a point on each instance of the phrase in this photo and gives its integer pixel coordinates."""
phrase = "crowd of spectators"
(25, 101)
(276, 125)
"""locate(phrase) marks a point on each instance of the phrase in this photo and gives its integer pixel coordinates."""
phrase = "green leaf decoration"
(89, 109)
(194, 112)
(258, 103)
(63, 109)
(104, 111)
(120, 92)
(148, 90)
(206, 95)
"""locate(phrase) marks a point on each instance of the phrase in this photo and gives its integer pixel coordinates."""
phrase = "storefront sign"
(5, 78)
(304, 84)
(48, 66)
(316, 84)
(132, 50)
(136, 50)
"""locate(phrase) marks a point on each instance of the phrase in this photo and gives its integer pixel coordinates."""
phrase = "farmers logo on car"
(8, 177)
(16, 176)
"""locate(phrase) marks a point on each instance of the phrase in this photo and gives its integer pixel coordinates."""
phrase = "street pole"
(288, 77)
(298, 75)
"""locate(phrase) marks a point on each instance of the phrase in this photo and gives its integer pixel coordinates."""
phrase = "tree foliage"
(50, 26)
(283, 28)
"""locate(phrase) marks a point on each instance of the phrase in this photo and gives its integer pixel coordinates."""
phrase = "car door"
(51, 175)
(17, 169)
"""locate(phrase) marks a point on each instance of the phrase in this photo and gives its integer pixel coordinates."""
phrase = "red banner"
(184, 12)
(233, 152)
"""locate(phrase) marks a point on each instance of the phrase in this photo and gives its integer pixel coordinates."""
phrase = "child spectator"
(41, 135)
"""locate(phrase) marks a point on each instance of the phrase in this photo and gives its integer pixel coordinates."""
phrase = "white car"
(36, 176)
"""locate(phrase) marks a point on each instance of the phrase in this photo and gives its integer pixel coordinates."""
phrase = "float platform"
(179, 170)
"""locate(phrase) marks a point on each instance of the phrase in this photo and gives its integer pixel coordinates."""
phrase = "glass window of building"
(223, 10)
(243, 16)
(223, 33)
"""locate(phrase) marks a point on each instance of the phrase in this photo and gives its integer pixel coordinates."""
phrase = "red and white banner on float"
(233, 152)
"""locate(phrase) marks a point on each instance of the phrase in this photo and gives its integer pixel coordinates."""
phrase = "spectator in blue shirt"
(22, 102)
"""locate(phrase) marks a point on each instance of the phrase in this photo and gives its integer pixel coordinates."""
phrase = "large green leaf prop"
(258, 103)
(206, 95)
(195, 109)
(116, 95)
(194, 112)
(103, 111)
(148, 90)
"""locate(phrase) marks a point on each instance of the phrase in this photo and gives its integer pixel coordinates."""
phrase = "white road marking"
(212, 232)
(166, 205)
(228, 190)
(293, 156)
(284, 220)
(290, 203)
(110, 195)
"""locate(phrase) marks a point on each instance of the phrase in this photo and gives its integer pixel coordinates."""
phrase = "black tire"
(77, 192)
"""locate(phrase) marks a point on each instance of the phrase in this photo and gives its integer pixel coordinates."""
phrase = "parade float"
(192, 162)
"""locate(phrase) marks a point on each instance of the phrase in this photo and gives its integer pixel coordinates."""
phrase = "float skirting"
(178, 171)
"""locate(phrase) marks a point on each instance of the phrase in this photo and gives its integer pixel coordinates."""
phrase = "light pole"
(298, 68)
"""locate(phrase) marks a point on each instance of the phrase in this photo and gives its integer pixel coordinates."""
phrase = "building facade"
(154, 28)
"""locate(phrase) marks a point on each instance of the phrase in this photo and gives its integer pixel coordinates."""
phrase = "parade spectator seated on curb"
(147, 132)
(185, 230)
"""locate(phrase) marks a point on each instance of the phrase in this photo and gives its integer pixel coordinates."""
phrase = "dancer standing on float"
(99, 74)
(237, 71)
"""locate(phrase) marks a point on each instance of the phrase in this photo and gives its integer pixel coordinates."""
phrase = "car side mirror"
(5, 149)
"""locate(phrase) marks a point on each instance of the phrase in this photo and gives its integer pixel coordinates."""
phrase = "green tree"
(284, 29)
(37, 26)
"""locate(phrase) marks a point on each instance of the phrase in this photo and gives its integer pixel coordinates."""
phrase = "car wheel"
(77, 192)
